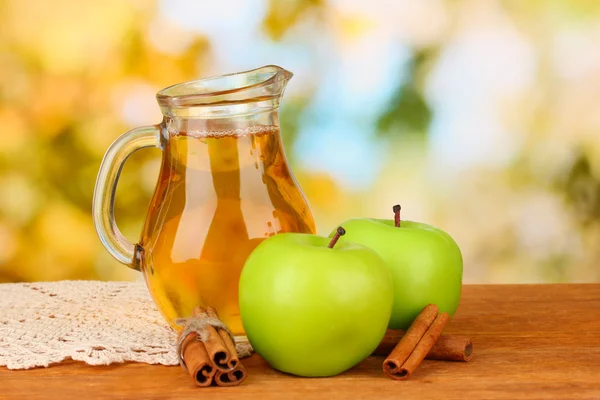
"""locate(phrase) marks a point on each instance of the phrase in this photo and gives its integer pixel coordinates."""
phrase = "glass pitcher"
(223, 187)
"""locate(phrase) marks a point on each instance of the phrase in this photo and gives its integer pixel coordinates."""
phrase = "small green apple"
(312, 309)
(425, 262)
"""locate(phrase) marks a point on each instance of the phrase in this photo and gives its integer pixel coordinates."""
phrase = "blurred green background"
(480, 117)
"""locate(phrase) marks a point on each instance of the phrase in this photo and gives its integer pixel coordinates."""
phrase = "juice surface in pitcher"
(219, 194)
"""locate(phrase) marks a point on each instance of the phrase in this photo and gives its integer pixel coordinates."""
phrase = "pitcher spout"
(245, 92)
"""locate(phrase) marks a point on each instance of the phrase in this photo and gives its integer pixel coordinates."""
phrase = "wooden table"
(530, 342)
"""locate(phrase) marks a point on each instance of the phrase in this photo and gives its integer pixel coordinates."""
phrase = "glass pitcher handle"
(103, 209)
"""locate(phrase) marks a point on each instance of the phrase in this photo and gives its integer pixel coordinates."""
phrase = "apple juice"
(219, 194)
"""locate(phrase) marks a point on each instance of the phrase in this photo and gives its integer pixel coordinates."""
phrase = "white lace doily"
(99, 323)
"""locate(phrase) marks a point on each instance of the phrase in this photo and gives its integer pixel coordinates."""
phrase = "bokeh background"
(480, 117)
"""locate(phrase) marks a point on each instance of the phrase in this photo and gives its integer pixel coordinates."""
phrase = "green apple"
(425, 262)
(314, 310)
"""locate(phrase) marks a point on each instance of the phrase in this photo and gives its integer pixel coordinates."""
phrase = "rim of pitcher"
(196, 90)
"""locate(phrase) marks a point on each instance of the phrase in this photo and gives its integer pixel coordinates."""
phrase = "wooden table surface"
(530, 342)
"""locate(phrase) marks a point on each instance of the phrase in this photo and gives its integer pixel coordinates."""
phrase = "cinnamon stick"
(416, 343)
(423, 347)
(410, 340)
(451, 348)
(231, 378)
(207, 350)
(233, 360)
(197, 361)
(215, 347)
(447, 347)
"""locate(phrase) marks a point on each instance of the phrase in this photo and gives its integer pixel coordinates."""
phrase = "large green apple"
(312, 310)
(425, 262)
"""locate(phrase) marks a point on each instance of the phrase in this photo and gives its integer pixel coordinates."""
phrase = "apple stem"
(397, 209)
(340, 232)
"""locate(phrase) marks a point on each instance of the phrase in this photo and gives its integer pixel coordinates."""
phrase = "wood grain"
(530, 342)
